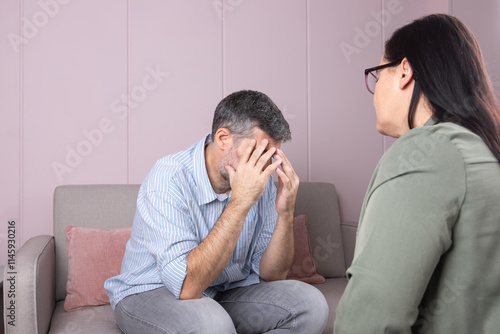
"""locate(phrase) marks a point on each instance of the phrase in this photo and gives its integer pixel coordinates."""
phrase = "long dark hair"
(449, 70)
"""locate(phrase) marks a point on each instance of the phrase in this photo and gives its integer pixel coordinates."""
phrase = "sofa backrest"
(318, 201)
(113, 206)
(103, 206)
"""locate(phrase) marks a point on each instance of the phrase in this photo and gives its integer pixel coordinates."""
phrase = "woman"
(427, 257)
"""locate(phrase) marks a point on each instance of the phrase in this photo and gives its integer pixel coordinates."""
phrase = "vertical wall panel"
(182, 42)
(74, 66)
(345, 146)
(10, 120)
(265, 49)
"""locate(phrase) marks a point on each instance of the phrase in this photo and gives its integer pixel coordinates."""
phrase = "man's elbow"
(269, 272)
(274, 276)
(187, 296)
(189, 293)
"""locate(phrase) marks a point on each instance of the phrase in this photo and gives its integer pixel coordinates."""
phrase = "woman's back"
(466, 282)
(427, 252)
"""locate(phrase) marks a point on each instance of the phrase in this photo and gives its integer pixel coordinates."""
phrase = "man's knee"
(310, 305)
(206, 316)
(164, 314)
(203, 315)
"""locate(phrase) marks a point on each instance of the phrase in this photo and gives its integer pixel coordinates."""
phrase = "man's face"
(233, 156)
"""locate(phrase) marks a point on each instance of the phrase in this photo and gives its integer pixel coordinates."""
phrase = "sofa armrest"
(29, 287)
(349, 230)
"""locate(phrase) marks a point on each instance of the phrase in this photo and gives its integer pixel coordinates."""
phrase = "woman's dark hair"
(449, 70)
(242, 111)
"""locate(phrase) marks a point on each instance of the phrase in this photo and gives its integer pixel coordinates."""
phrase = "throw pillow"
(303, 269)
(94, 255)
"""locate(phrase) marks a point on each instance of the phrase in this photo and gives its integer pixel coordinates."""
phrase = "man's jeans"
(275, 307)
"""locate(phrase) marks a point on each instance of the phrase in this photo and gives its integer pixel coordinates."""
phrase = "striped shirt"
(176, 210)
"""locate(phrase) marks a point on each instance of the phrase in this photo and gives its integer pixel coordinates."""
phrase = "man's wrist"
(238, 207)
(286, 216)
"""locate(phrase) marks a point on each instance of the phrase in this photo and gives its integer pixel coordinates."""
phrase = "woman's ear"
(223, 139)
(405, 72)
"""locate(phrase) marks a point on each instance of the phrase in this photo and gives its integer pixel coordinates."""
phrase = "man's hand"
(252, 172)
(288, 187)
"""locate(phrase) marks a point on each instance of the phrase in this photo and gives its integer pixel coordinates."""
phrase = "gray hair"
(242, 111)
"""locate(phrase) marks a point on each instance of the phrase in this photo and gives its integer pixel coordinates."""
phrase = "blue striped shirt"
(176, 210)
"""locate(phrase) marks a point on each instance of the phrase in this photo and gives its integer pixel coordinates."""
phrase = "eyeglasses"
(371, 75)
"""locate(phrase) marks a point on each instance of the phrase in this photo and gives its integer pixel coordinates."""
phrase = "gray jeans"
(275, 307)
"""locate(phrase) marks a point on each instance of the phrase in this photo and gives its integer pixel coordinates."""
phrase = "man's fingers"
(271, 168)
(231, 172)
(248, 148)
(287, 176)
(257, 153)
(286, 165)
(284, 158)
(283, 178)
(265, 158)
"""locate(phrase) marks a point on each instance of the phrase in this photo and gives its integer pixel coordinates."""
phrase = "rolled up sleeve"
(169, 235)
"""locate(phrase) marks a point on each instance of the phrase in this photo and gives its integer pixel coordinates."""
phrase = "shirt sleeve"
(169, 236)
(406, 224)
(267, 219)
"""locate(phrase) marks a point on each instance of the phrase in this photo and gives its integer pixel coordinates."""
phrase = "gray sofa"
(42, 263)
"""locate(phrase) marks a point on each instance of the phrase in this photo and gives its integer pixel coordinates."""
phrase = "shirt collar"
(205, 193)
(431, 121)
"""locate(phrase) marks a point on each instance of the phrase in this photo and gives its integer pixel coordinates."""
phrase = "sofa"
(42, 262)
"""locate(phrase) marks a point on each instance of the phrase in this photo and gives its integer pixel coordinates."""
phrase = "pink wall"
(67, 68)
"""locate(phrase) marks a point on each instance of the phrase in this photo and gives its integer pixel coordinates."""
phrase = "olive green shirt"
(427, 257)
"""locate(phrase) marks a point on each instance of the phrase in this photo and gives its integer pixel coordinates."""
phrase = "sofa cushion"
(94, 255)
(318, 201)
(332, 289)
(303, 269)
(93, 320)
(94, 205)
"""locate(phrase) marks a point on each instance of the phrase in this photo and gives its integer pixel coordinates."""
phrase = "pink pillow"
(94, 255)
(303, 269)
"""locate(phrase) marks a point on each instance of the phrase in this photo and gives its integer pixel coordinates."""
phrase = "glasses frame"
(369, 71)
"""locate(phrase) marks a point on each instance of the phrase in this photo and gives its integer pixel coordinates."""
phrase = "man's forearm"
(207, 261)
(280, 253)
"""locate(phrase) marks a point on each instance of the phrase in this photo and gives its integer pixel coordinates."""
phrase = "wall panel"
(182, 43)
(345, 146)
(10, 118)
(74, 66)
(265, 49)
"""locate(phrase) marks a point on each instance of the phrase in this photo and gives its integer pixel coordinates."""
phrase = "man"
(212, 239)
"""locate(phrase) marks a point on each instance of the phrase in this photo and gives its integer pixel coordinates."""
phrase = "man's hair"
(242, 111)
